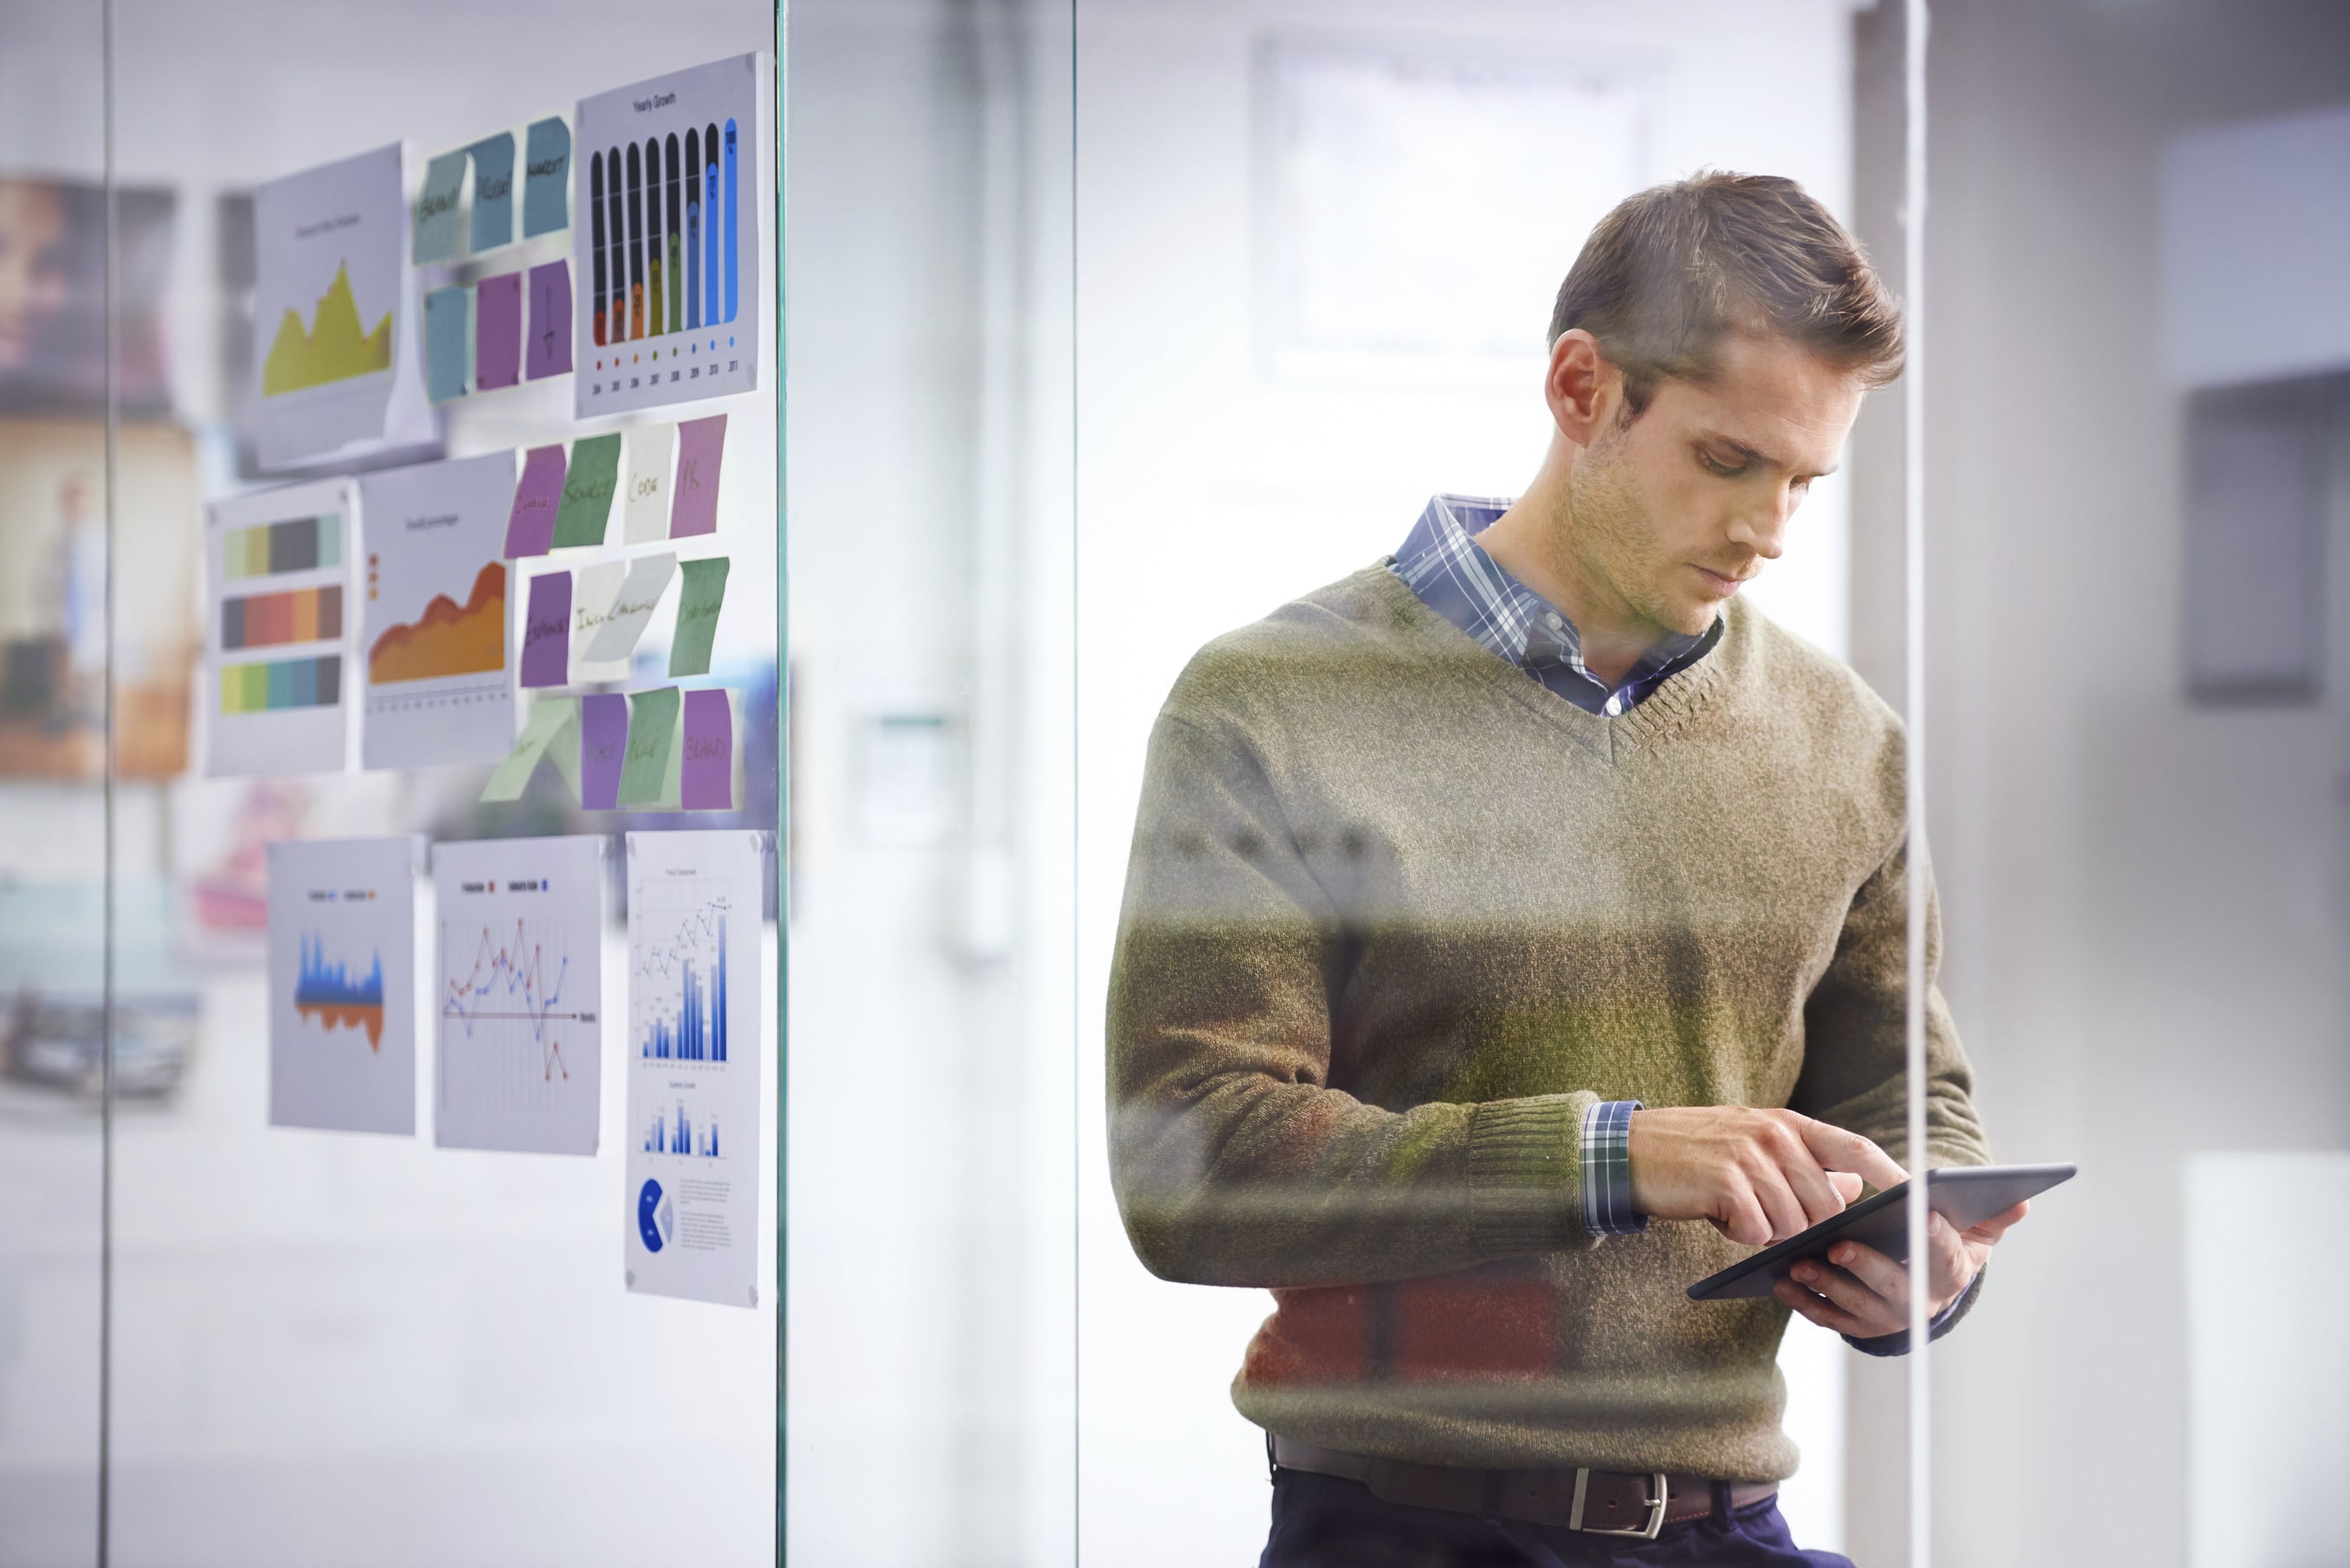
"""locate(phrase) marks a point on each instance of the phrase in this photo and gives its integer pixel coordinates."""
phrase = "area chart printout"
(668, 176)
(342, 984)
(517, 1062)
(436, 639)
(276, 630)
(330, 247)
(693, 1193)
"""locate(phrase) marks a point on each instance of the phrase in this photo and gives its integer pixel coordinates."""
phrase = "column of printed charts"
(277, 671)
(518, 1059)
(693, 1097)
(342, 1001)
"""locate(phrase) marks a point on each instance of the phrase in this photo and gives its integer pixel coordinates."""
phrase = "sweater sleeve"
(1234, 1161)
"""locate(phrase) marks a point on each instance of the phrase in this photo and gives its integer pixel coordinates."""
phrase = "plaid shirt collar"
(1442, 561)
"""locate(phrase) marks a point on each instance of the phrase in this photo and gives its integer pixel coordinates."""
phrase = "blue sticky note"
(437, 210)
(546, 177)
(448, 343)
(492, 190)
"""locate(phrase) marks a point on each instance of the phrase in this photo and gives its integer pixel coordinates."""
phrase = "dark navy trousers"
(1325, 1522)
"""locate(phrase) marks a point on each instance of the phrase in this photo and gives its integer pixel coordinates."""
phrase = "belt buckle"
(1655, 1504)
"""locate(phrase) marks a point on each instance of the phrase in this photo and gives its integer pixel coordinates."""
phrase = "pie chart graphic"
(656, 1221)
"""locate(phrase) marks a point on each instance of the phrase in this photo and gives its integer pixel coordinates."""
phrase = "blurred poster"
(342, 984)
(277, 678)
(693, 1193)
(517, 1063)
(439, 650)
(53, 617)
(667, 177)
(337, 365)
(53, 296)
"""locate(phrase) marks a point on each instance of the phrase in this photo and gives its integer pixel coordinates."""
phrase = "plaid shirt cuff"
(1608, 1170)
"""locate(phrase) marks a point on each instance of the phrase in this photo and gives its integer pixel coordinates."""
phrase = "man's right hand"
(1761, 1176)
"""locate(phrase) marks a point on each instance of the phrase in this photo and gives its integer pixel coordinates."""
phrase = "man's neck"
(1533, 539)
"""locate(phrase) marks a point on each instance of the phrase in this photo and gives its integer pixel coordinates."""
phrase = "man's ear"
(1584, 388)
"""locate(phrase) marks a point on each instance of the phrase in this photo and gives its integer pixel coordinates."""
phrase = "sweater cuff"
(1898, 1343)
(1525, 1174)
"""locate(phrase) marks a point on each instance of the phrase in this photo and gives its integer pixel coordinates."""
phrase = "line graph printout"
(517, 1063)
(437, 648)
(342, 984)
(692, 1194)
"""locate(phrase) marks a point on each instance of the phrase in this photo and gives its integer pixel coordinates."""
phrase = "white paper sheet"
(694, 1029)
(274, 701)
(437, 635)
(631, 608)
(593, 590)
(342, 984)
(519, 996)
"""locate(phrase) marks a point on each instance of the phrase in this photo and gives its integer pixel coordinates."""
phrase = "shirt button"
(1553, 622)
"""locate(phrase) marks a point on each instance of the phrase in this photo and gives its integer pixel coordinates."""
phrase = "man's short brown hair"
(1674, 270)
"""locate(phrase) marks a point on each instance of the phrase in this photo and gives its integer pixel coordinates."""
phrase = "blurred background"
(1110, 325)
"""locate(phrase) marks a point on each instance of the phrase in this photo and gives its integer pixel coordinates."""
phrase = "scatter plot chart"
(519, 1031)
(342, 968)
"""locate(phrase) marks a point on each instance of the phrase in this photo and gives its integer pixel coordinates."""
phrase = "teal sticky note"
(698, 603)
(448, 343)
(437, 210)
(546, 177)
(588, 486)
(493, 158)
(648, 778)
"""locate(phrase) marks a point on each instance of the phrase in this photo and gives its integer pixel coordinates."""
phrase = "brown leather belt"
(1597, 1502)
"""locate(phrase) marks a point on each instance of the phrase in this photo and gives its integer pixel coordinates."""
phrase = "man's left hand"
(1866, 1294)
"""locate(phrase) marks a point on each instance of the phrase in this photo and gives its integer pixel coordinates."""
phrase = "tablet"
(1966, 1195)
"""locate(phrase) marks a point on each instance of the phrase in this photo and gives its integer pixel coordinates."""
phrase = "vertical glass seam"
(1913, 529)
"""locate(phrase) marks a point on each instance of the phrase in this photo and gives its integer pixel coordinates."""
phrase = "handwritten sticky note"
(701, 447)
(435, 235)
(603, 749)
(644, 507)
(652, 741)
(546, 177)
(448, 343)
(497, 331)
(530, 526)
(698, 601)
(549, 717)
(550, 321)
(632, 609)
(708, 782)
(546, 630)
(587, 489)
(591, 601)
(492, 223)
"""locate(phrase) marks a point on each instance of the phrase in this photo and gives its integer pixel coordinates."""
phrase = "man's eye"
(1719, 469)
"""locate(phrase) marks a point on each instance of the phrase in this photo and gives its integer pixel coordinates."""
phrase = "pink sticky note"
(603, 749)
(530, 526)
(497, 331)
(700, 446)
(707, 780)
(550, 319)
(546, 630)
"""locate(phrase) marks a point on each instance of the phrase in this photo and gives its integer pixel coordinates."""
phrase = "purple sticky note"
(546, 630)
(603, 748)
(700, 445)
(497, 332)
(530, 526)
(550, 319)
(707, 783)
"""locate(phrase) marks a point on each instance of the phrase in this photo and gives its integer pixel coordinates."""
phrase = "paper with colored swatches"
(552, 735)
(704, 593)
(448, 343)
(530, 529)
(632, 609)
(341, 978)
(587, 487)
(547, 632)
(701, 451)
(593, 591)
(277, 678)
(644, 516)
(497, 332)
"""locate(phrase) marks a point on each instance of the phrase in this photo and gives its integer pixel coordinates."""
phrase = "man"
(1521, 891)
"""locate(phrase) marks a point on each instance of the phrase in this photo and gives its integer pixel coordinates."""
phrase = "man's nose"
(1763, 530)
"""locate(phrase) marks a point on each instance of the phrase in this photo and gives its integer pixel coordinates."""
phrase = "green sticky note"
(548, 716)
(698, 599)
(564, 750)
(588, 486)
(647, 776)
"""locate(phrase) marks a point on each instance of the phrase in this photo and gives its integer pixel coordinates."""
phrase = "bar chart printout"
(692, 1198)
(342, 967)
(519, 1033)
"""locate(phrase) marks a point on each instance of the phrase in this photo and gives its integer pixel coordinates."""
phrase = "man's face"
(1677, 509)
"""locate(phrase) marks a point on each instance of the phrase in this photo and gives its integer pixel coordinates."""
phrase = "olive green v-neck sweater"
(1396, 915)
